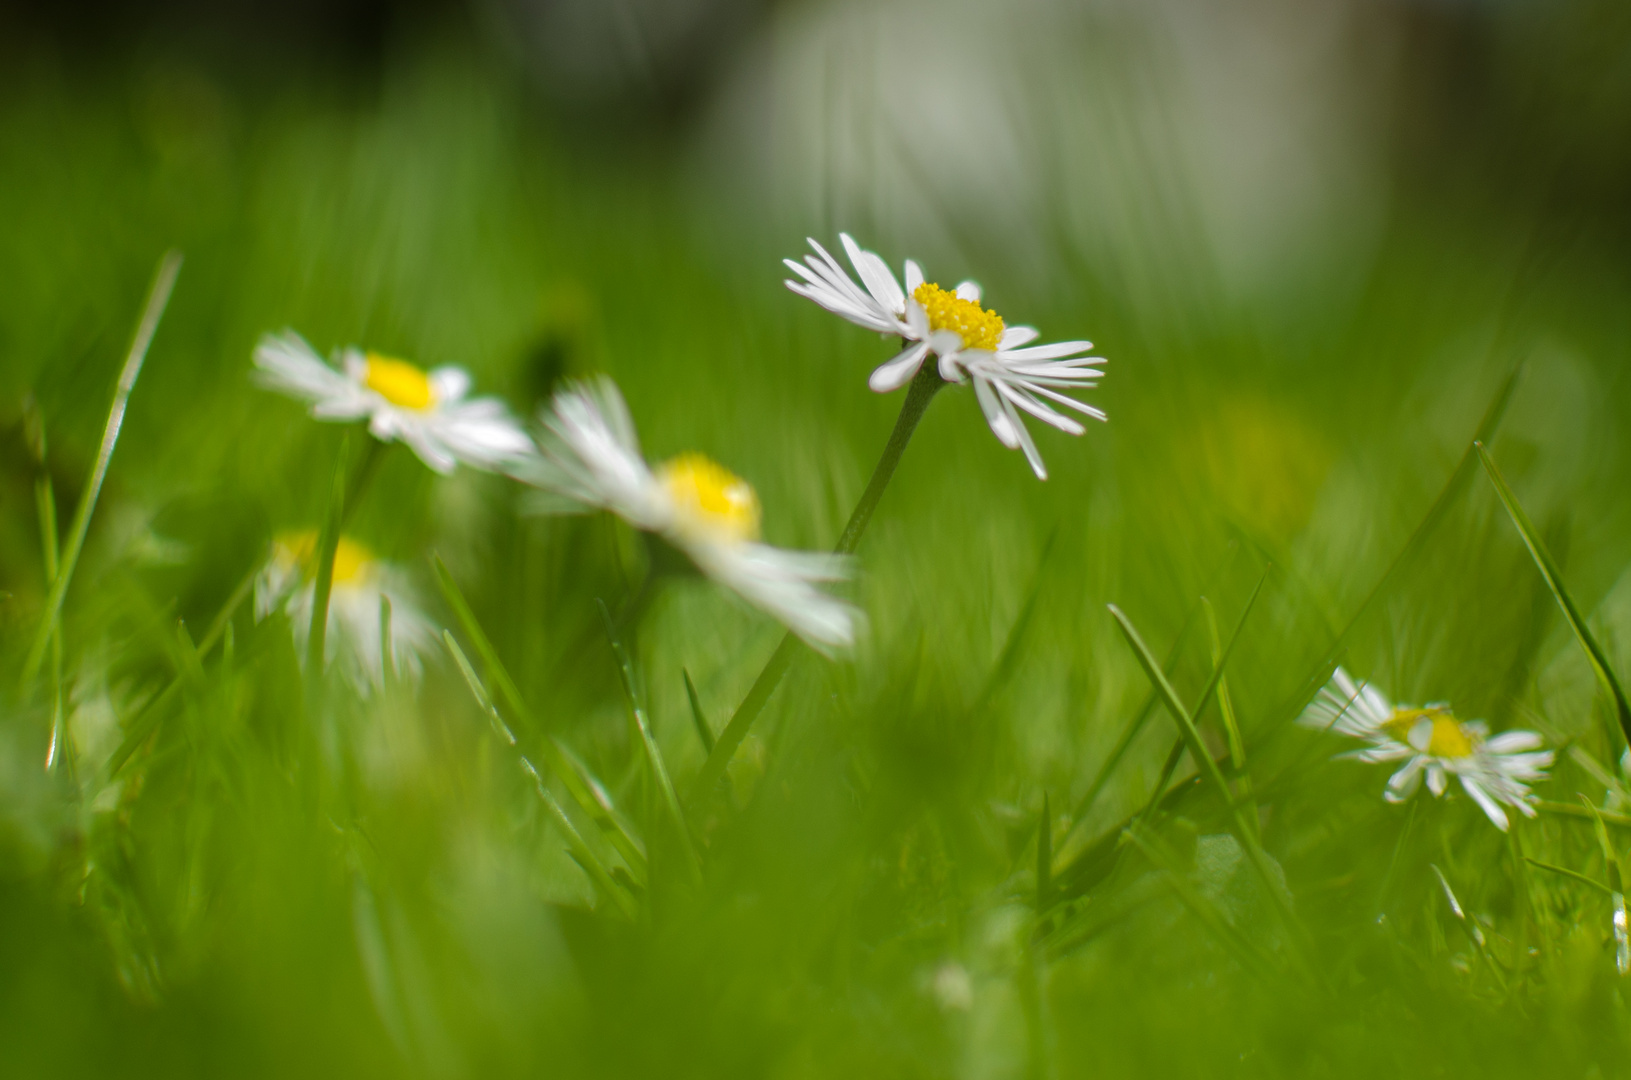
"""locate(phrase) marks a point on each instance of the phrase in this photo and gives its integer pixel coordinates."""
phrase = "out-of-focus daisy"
(591, 460)
(427, 410)
(1434, 744)
(971, 343)
(353, 639)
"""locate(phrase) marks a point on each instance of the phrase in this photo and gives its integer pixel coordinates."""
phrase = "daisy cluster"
(586, 456)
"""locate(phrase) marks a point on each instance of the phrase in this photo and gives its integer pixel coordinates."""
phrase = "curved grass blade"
(654, 756)
(1231, 725)
(1487, 426)
(1209, 766)
(1560, 592)
(578, 848)
(1584, 879)
(1247, 954)
(158, 295)
(580, 783)
(152, 713)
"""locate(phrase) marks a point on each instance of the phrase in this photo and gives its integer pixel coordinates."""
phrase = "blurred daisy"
(1434, 745)
(1010, 375)
(591, 460)
(426, 410)
(353, 639)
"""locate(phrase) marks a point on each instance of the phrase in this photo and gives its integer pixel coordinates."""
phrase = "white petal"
(968, 290)
(1047, 352)
(1496, 815)
(914, 276)
(875, 275)
(782, 584)
(449, 383)
(1015, 336)
(1510, 742)
(994, 416)
(898, 371)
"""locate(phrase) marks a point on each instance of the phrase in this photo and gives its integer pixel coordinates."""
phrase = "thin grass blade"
(158, 296)
(1457, 482)
(704, 733)
(328, 543)
(1560, 592)
(579, 782)
(654, 757)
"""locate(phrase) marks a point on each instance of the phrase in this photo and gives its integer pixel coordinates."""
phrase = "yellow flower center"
(979, 329)
(398, 382)
(1447, 739)
(711, 497)
(352, 561)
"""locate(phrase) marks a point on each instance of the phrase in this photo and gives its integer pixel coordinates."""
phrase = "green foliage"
(966, 851)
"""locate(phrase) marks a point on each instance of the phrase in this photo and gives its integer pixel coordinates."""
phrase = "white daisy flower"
(1010, 375)
(1433, 744)
(353, 637)
(426, 410)
(591, 460)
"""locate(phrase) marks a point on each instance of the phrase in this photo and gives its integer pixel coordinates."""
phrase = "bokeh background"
(1312, 239)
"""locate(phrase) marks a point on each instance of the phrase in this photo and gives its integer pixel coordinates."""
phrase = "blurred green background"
(1313, 242)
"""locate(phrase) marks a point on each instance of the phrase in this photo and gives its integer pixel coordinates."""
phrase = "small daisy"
(591, 460)
(426, 410)
(970, 342)
(360, 581)
(1433, 743)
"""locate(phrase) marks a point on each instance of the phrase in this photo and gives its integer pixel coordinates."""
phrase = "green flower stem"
(923, 389)
(344, 496)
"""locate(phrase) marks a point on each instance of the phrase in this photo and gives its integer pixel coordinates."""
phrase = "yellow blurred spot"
(352, 561)
(711, 497)
(1263, 462)
(979, 329)
(399, 382)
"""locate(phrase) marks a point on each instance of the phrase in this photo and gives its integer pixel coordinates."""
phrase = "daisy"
(591, 461)
(971, 343)
(426, 410)
(360, 582)
(1433, 744)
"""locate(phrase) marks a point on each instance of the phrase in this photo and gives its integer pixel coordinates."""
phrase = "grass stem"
(923, 389)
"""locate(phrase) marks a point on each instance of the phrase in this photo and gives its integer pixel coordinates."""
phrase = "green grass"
(243, 870)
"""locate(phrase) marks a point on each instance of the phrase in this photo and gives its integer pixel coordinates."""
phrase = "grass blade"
(152, 713)
(1231, 726)
(328, 542)
(697, 717)
(1560, 592)
(158, 295)
(1459, 477)
(654, 757)
(1566, 872)
(737, 730)
(1244, 952)
(585, 790)
(478, 691)
(578, 848)
(1209, 766)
